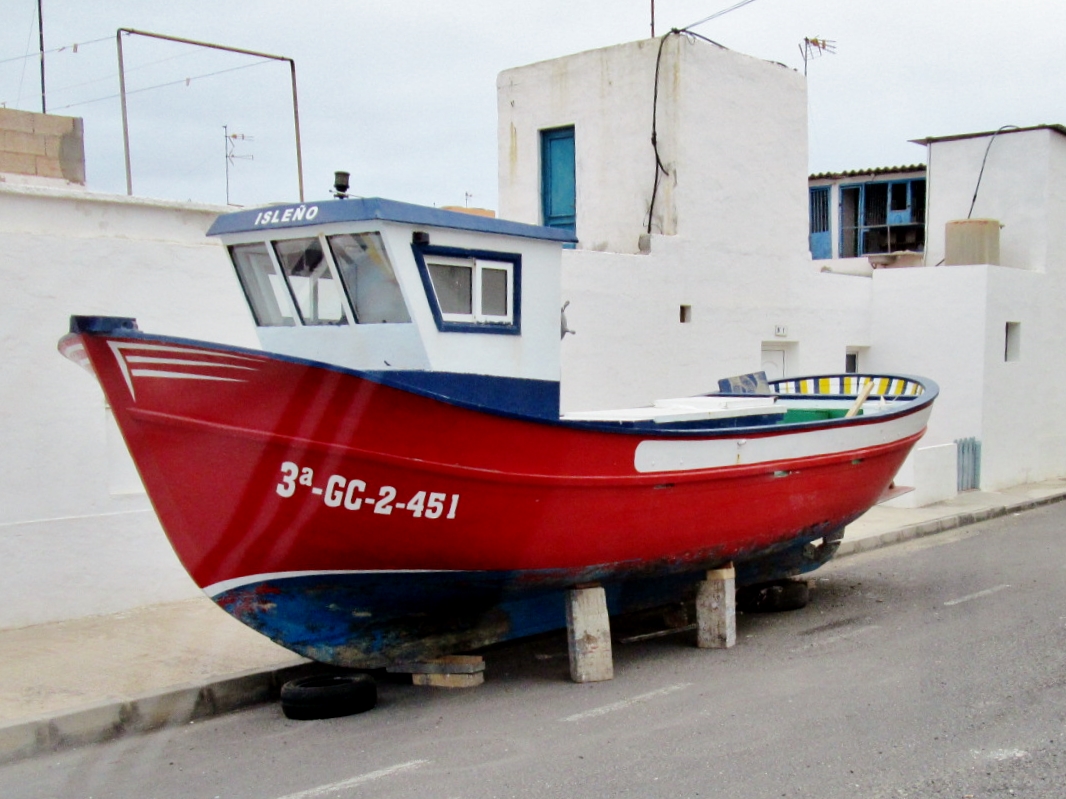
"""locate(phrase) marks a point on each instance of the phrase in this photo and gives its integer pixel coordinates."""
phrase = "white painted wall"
(932, 472)
(731, 130)
(74, 540)
(607, 96)
(1014, 189)
(730, 221)
(732, 243)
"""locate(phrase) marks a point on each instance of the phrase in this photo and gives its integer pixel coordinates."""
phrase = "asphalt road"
(931, 669)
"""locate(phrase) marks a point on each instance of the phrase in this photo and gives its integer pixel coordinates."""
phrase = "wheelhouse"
(377, 285)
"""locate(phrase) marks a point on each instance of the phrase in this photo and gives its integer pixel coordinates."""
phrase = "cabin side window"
(317, 297)
(263, 286)
(368, 277)
(471, 290)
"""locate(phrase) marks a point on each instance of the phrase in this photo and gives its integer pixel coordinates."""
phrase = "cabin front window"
(368, 277)
(315, 292)
(263, 285)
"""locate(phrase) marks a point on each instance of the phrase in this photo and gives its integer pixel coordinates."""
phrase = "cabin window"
(368, 278)
(263, 285)
(313, 288)
(471, 290)
(453, 284)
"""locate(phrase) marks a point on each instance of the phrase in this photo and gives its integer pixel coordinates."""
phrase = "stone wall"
(41, 146)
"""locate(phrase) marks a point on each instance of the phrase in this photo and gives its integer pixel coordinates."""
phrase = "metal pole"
(125, 119)
(296, 120)
(653, 19)
(225, 131)
(241, 51)
(40, 32)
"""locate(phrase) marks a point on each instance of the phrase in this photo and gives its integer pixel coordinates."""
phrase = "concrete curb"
(172, 706)
(181, 704)
(942, 525)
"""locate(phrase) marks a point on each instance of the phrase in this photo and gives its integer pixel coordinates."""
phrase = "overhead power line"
(717, 14)
(186, 81)
(72, 47)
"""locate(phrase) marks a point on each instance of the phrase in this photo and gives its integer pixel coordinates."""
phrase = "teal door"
(558, 185)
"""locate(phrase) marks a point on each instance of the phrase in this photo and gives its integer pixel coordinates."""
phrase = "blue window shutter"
(558, 181)
(820, 243)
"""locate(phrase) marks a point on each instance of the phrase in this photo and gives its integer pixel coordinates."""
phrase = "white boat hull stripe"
(680, 456)
(227, 585)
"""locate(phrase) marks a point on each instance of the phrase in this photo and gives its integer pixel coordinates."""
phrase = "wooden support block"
(716, 610)
(448, 664)
(588, 633)
(449, 680)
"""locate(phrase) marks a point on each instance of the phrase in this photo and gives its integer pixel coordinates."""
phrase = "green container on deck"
(795, 415)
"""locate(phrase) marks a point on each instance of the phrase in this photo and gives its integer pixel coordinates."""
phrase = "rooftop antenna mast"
(40, 36)
(231, 155)
(813, 47)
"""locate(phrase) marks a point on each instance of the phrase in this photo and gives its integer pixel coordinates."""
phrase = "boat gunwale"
(654, 479)
(912, 403)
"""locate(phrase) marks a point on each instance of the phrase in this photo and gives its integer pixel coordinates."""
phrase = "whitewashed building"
(77, 533)
(713, 278)
(701, 268)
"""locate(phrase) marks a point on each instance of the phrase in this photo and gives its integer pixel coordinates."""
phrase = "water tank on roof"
(971, 241)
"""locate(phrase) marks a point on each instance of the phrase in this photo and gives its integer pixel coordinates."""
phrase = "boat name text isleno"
(276, 216)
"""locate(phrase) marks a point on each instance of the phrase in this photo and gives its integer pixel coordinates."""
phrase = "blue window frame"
(882, 217)
(558, 182)
(472, 291)
(820, 243)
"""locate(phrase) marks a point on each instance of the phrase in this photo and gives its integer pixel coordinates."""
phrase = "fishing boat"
(390, 477)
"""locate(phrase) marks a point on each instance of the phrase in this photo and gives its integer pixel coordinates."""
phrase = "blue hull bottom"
(374, 619)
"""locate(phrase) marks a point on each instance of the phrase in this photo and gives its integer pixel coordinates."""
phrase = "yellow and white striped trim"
(849, 385)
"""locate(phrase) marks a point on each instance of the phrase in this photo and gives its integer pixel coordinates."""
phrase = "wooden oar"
(863, 396)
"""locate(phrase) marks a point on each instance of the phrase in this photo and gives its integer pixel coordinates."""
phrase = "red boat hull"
(264, 469)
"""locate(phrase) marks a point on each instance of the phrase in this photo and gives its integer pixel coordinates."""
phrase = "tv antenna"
(231, 153)
(814, 47)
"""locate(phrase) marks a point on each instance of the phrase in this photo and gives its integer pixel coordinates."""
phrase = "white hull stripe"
(123, 355)
(182, 375)
(682, 456)
(225, 585)
(133, 345)
(184, 362)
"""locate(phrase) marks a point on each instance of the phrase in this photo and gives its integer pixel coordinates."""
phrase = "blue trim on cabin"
(518, 395)
(300, 215)
(513, 328)
(447, 387)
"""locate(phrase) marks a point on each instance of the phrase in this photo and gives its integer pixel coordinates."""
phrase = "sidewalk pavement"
(92, 679)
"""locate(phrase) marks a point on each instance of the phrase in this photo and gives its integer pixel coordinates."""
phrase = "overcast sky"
(402, 93)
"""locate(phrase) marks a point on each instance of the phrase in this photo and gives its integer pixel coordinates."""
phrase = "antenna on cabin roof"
(813, 47)
(231, 154)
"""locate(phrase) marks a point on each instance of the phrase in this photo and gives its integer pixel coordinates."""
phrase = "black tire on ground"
(328, 696)
(773, 597)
